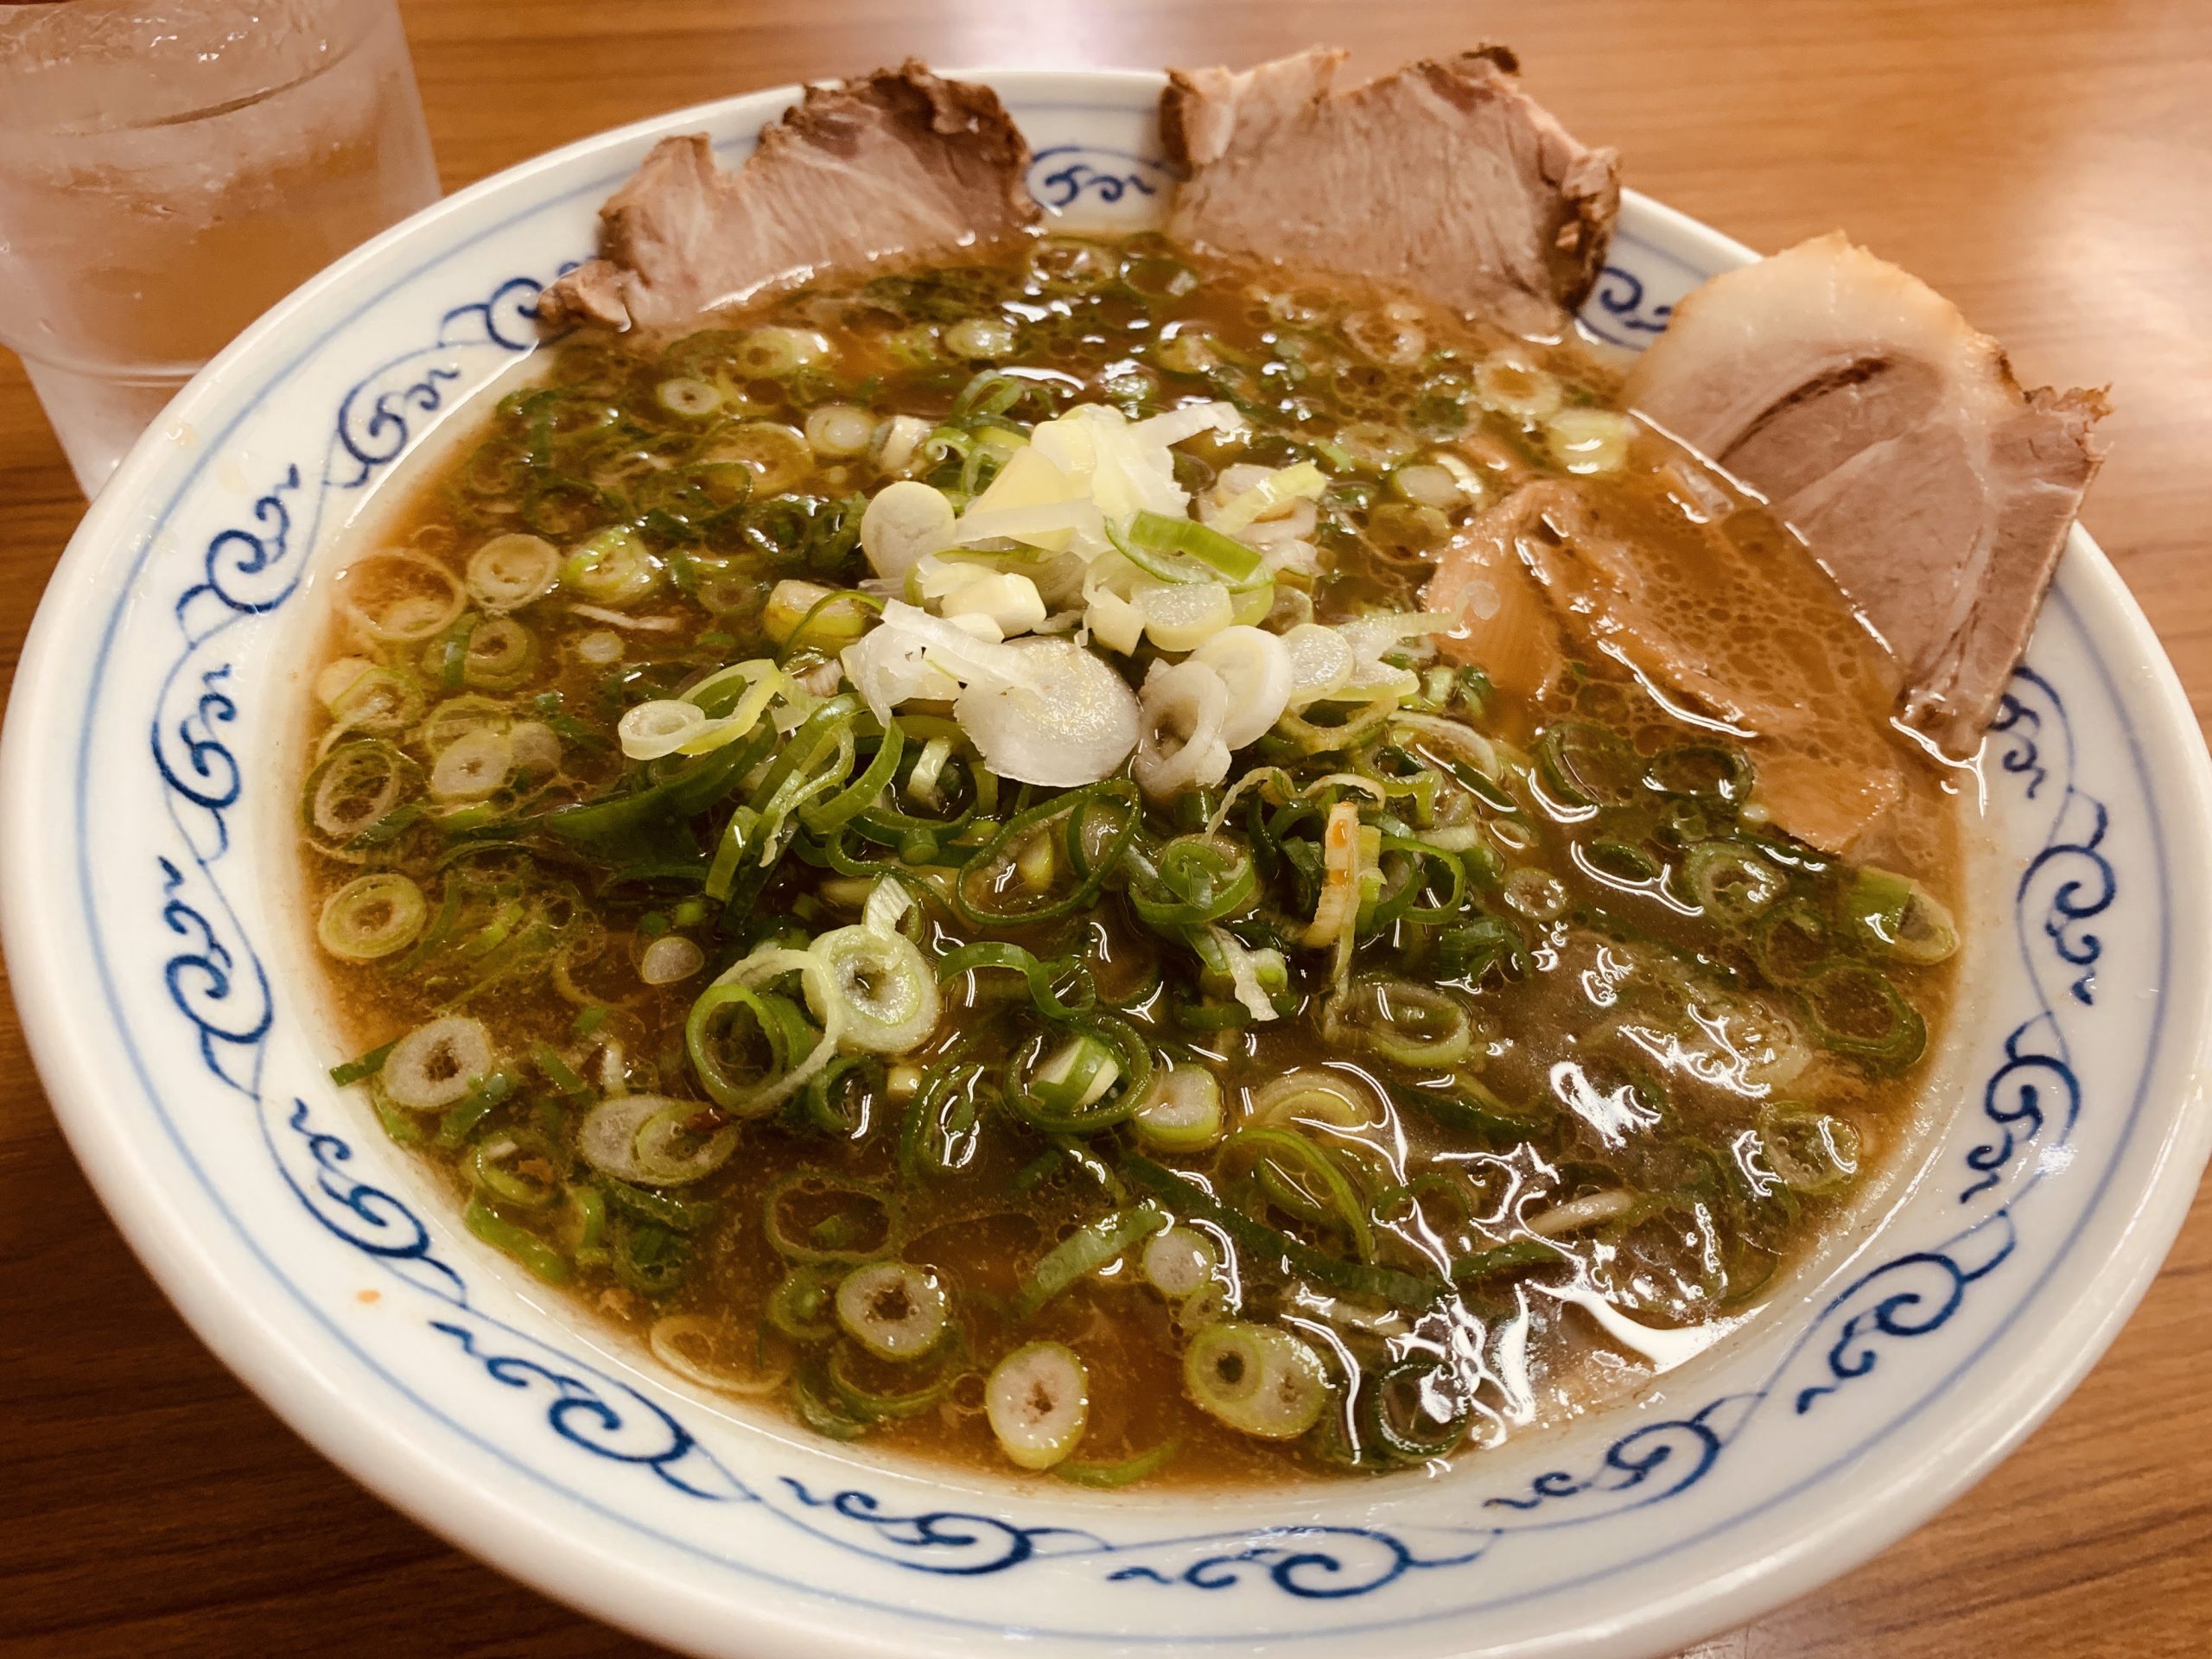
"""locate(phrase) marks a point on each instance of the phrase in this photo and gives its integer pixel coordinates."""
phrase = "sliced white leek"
(535, 747)
(1182, 615)
(887, 901)
(1008, 599)
(1114, 622)
(1339, 902)
(1068, 719)
(1320, 663)
(832, 617)
(1182, 713)
(1585, 441)
(901, 436)
(1269, 494)
(912, 654)
(653, 729)
(1246, 968)
(904, 521)
(1592, 1210)
(1256, 668)
(1177, 424)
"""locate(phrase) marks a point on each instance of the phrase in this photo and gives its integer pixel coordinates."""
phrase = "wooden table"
(2048, 164)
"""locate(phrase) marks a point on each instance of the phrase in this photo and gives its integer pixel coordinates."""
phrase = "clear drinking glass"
(170, 169)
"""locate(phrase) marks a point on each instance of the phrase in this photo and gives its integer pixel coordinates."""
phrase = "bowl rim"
(391, 1460)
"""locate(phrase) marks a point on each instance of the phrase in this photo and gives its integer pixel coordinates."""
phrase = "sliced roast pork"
(1444, 177)
(1894, 439)
(899, 162)
(1723, 621)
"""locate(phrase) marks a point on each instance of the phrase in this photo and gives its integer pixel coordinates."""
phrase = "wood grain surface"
(2048, 166)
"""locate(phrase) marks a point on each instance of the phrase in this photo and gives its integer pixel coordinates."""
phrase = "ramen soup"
(918, 848)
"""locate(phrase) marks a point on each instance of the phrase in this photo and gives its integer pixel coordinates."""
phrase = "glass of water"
(170, 169)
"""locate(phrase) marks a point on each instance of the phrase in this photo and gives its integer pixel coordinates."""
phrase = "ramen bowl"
(151, 912)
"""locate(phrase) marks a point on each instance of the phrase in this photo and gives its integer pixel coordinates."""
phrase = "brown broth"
(1643, 1044)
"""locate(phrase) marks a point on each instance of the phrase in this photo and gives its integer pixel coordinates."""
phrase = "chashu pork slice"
(898, 163)
(1894, 439)
(1724, 621)
(1444, 178)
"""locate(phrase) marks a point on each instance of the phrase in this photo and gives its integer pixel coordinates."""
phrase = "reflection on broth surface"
(1432, 1019)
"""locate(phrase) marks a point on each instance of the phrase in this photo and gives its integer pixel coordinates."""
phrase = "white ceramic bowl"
(148, 871)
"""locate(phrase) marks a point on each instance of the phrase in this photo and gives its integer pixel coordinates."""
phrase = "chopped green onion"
(1811, 1152)
(886, 991)
(1729, 881)
(982, 884)
(1306, 1180)
(1037, 1400)
(1704, 772)
(1408, 1025)
(1855, 1010)
(775, 1021)
(651, 1260)
(875, 1405)
(1267, 1246)
(486, 1167)
(1587, 765)
(1398, 1407)
(614, 567)
(1184, 551)
(360, 1070)
(1791, 941)
(1042, 978)
(803, 1304)
(653, 1139)
(662, 1208)
(1083, 1252)
(1900, 918)
(860, 1223)
(1110, 1476)
(525, 1246)
(1093, 1078)
(1178, 1262)
(1257, 1379)
(894, 1311)
(509, 572)
(1181, 1111)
